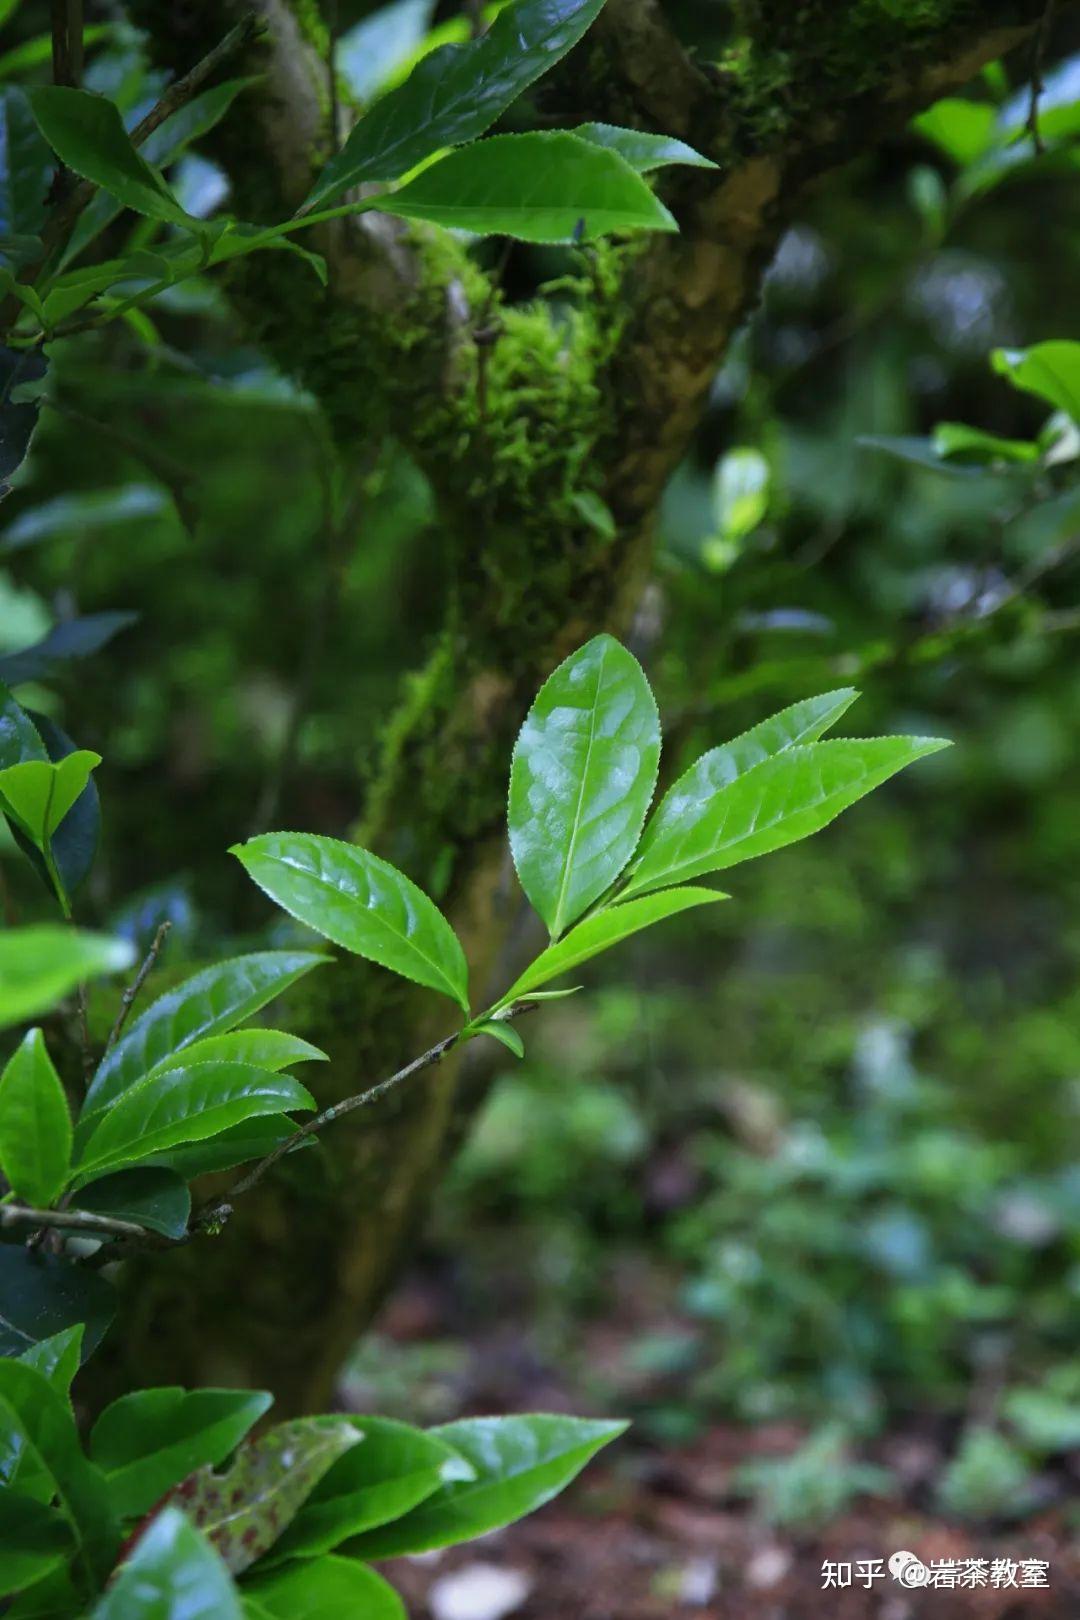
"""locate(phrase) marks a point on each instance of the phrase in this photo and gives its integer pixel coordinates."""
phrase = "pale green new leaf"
(38, 794)
(538, 188)
(602, 930)
(35, 1126)
(504, 1033)
(360, 902)
(1049, 370)
(456, 93)
(783, 799)
(172, 1574)
(583, 772)
(87, 133)
(393, 1469)
(518, 1464)
(643, 151)
(212, 1002)
(326, 1589)
(182, 1105)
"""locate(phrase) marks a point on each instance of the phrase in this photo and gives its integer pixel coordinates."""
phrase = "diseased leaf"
(456, 93)
(244, 1510)
(601, 931)
(519, 1463)
(212, 1002)
(155, 1198)
(583, 772)
(394, 1468)
(148, 1441)
(172, 1573)
(327, 1589)
(643, 151)
(41, 1297)
(87, 133)
(360, 902)
(39, 965)
(35, 1125)
(537, 187)
(775, 803)
(177, 1106)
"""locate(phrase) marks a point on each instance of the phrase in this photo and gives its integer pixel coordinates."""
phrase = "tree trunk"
(606, 409)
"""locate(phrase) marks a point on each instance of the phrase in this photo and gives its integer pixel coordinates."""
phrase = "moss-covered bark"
(600, 406)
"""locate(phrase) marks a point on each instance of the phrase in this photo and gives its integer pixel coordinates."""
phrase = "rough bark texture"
(606, 405)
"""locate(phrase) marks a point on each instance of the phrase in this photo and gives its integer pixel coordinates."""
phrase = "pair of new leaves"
(544, 187)
(193, 1532)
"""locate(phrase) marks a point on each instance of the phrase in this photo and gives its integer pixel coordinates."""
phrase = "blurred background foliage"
(816, 1162)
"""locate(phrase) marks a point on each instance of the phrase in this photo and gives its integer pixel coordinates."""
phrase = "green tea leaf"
(775, 803)
(240, 1144)
(155, 1198)
(33, 1540)
(172, 1573)
(504, 1033)
(393, 1469)
(538, 188)
(246, 1509)
(360, 902)
(38, 794)
(39, 965)
(181, 1105)
(41, 1297)
(147, 1442)
(601, 931)
(35, 1125)
(583, 772)
(328, 1589)
(263, 1048)
(1049, 370)
(456, 93)
(519, 1463)
(26, 166)
(212, 1002)
(19, 737)
(644, 152)
(87, 133)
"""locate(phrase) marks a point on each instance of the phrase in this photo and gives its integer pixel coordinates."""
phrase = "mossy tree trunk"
(605, 406)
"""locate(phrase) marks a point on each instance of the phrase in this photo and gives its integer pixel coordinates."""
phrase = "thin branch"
(127, 1000)
(69, 1220)
(1038, 54)
(61, 54)
(75, 40)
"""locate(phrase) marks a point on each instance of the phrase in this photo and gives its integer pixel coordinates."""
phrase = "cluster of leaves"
(170, 1511)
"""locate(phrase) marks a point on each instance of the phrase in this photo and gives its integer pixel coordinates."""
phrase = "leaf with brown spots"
(244, 1510)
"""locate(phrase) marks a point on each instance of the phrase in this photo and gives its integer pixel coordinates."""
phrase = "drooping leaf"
(39, 965)
(148, 1441)
(82, 512)
(456, 93)
(394, 1468)
(34, 1539)
(72, 638)
(177, 1106)
(956, 441)
(642, 150)
(21, 373)
(212, 1002)
(35, 1125)
(172, 1573)
(29, 1402)
(155, 1198)
(26, 166)
(360, 902)
(246, 1509)
(263, 1048)
(504, 1033)
(327, 1589)
(539, 188)
(583, 772)
(519, 1463)
(87, 134)
(1049, 370)
(41, 1297)
(783, 799)
(917, 452)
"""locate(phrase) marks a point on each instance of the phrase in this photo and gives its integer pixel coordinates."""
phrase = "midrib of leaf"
(405, 939)
(557, 925)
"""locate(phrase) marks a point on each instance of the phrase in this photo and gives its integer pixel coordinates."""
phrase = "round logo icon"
(909, 1570)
